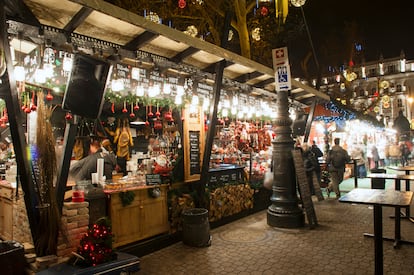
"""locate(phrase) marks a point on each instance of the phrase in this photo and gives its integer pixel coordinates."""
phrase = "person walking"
(318, 154)
(336, 159)
(375, 156)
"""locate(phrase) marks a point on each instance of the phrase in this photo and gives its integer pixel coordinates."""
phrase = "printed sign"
(282, 69)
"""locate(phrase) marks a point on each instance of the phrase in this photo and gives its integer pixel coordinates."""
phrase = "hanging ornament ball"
(264, 11)
(181, 4)
(27, 110)
(125, 110)
(136, 107)
(147, 123)
(131, 115)
(68, 116)
(49, 97)
(33, 107)
(351, 63)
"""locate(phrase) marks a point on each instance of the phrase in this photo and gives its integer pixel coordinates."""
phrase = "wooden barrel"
(196, 227)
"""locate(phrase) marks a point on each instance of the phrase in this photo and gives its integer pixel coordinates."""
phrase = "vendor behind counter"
(83, 169)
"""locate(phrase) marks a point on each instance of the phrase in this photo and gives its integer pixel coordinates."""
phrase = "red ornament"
(351, 63)
(168, 116)
(125, 110)
(68, 116)
(136, 107)
(147, 123)
(113, 107)
(33, 107)
(264, 11)
(157, 125)
(150, 113)
(49, 97)
(181, 4)
(131, 115)
(27, 110)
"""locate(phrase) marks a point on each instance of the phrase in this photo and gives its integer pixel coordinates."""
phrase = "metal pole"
(284, 211)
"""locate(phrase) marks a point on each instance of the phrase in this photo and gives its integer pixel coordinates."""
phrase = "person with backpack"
(336, 159)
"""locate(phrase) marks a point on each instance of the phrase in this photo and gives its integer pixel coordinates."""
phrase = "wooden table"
(407, 170)
(379, 198)
(397, 181)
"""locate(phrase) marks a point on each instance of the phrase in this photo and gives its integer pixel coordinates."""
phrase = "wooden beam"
(140, 40)
(212, 68)
(187, 52)
(8, 91)
(78, 19)
(246, 77)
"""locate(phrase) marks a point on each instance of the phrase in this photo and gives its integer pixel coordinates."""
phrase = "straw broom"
(49, 219)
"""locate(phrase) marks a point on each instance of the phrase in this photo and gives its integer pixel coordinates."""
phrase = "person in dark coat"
(318, 154)
(401, 124)
(83, 169)
(336, 159)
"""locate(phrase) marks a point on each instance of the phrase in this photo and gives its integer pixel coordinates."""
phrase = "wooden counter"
(145, 217)
(6, 211)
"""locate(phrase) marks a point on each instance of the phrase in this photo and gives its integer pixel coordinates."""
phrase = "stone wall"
(75, 221)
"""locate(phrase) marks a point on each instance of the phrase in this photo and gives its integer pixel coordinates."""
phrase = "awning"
(108, 28)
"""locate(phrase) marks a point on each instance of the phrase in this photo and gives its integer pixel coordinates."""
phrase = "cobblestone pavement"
(250, 246)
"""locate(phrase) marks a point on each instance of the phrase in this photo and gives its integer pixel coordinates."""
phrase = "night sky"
(387, 27)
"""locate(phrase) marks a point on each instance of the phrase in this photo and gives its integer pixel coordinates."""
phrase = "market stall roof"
(99, 25)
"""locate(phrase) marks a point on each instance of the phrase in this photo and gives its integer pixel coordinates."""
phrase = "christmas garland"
(127, 197)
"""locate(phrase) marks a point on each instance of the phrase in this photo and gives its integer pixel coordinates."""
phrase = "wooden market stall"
(129, 41)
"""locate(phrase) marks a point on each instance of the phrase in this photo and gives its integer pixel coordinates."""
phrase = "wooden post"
(9, 93)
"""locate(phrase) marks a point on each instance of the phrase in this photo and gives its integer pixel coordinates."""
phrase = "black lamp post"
(284, 211)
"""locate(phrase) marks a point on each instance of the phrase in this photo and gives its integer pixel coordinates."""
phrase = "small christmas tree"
(96, 245)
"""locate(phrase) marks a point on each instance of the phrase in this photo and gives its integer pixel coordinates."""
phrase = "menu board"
(153, 179)
(194, 137)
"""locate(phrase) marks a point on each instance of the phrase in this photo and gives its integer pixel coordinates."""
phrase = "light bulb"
(19, 72)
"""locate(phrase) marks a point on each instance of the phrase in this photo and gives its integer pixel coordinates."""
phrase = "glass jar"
(78, 193)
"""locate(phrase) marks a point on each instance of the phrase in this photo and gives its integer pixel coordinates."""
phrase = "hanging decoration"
(49, 96)
(182, 4)
(132, 115)
(264, 11)
(33, 106)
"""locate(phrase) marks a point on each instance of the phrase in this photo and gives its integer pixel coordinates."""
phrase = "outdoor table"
(407, 170)
(397, 179)
(379, 198)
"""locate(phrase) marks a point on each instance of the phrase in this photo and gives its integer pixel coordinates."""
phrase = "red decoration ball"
(264, 11)
(131, 115)
(181, 4)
